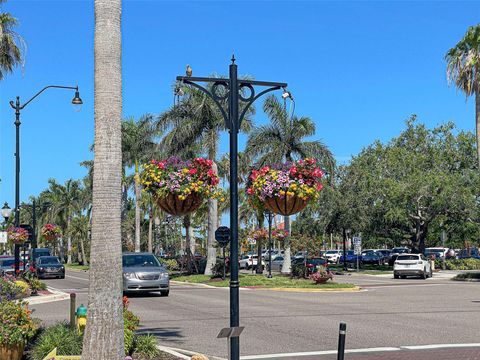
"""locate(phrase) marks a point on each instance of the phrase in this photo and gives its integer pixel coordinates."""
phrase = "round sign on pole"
(222, 235)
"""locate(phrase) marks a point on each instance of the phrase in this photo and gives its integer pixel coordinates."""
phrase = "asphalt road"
(389, 313)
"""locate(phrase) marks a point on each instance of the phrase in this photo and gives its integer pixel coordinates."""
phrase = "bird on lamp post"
(189, 71)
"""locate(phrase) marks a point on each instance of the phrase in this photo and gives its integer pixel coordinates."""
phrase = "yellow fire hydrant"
(81, 315)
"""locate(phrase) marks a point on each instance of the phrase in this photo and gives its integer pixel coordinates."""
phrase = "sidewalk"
(52, 295)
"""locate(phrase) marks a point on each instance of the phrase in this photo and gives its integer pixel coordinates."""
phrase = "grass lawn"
(467, 275)
(77, 267)
(277, 281)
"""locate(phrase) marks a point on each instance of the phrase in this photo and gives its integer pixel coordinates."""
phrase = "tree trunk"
(286, 267)
(477, 123)
(82, 249)
(137, 209)
(103, 339)
(69, 242)
(212, 226)
(61, 250)
(150, 227)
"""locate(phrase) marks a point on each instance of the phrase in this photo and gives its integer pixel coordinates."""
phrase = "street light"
(231, 90)
(6, 212)
(77, 101)
(346, 232)
(269, 215)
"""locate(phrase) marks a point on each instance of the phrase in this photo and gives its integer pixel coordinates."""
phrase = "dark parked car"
(7, 265)
(373, 257)
(49, 266)
(397, 251)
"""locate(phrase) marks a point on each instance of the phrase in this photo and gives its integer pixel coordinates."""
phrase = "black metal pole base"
(17, 258)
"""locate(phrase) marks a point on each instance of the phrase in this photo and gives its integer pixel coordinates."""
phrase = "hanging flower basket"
(173, 205)
(259, 235)
(279, 234)
(287, 188)
(286, 205)
(17, 235)
(179, 187)
(51, 232)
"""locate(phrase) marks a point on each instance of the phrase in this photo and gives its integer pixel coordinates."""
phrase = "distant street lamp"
(77, 101)
(6, 212)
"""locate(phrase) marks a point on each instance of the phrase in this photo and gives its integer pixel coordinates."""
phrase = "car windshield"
(408, 257)
(140, 260)
(399, 250)
(48, 260)
(330, 252)
(279, 258)
(8, 262)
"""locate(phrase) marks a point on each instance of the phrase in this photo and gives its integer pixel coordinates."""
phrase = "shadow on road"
(170, 334)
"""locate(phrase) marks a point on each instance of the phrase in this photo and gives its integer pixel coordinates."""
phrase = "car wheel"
(62, 277)
(431, 273)
(403, 276)
(424, 274)
(395, 276)
(164, 293)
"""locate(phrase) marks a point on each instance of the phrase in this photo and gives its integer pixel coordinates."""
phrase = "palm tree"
(12, 45)
(463, 69)
(284, 140)
(66, 200)
(137, 146)
(196, 119)
(103, 337)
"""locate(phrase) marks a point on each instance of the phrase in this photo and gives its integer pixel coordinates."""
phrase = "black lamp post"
(42, 206)
(230, 92)
(269, 215)
(17, 107)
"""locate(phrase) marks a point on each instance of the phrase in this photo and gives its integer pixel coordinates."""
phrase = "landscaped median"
(468, 276)
(278, 282)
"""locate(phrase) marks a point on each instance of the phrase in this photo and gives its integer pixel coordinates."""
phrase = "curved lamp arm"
(20, 107)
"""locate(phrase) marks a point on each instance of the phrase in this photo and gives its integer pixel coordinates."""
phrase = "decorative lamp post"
(6, 212)
(230, 92)
(17, 106)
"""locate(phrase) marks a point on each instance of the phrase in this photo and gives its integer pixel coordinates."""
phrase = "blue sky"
(359, 69)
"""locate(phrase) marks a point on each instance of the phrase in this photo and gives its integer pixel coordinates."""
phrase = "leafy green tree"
(398, 192)
(463, 66)
(138, 145)
(284, 139)
(12, 45)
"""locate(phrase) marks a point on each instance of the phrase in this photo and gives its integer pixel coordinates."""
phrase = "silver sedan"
(142, 272)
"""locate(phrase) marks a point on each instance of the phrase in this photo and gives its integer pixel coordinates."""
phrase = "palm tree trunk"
(477, 123)
(82, 249)
(212, 226)
(69, 242)
(103, 339)
(137, 209)
(150, 229)
(286, 267)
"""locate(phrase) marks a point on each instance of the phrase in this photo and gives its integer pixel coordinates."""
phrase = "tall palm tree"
(103, 337)
(463, 67)
(66, 200)
(284, 140)
(12, 45)
(196, 119)
(137, 146)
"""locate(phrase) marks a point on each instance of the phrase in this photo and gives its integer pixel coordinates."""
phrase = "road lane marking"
(75, 277)
(365, 350)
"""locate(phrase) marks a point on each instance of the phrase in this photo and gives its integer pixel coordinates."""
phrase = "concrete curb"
(173, 352)
(55, 296)
(76, 270)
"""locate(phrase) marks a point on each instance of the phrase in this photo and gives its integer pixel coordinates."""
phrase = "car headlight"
(164, 275)
(129, 275)
(41, 268)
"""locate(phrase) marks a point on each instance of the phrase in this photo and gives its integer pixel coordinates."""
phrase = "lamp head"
(77, 101)
(287, 94)
(6, 211)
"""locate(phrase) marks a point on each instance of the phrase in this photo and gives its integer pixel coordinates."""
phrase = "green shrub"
(60, 336)
(298, 271)
(171, 264)
(217, 269)
(468, 275)
(128, 341)
(145, 346)
(459, 264)
(130, 320)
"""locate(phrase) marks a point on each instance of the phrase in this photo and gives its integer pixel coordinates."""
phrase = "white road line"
(440, 346)
(366, 350)
(75, 277)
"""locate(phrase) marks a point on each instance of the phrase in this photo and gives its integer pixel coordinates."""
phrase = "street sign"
(230, 332)
(3, 237)
(357, 245)
(222, 235)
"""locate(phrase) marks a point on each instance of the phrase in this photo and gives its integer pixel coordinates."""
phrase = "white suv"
(333, 256)
(411, 265)
(247, 261)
